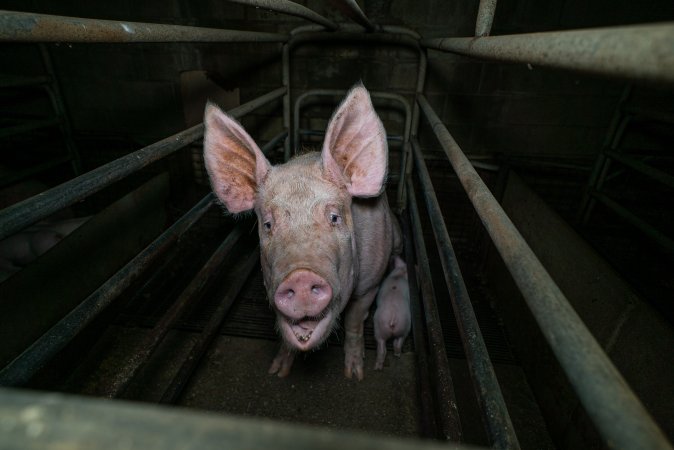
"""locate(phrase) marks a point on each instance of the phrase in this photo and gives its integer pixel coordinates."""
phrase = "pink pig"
(326, 230)
(392, 320)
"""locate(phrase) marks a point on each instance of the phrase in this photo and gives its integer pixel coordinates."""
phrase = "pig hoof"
(379, 366)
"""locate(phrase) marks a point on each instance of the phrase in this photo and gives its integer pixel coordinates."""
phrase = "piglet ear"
(355, 151)
(235, 164)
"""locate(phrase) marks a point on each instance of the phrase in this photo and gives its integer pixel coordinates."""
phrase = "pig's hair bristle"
(304, 149)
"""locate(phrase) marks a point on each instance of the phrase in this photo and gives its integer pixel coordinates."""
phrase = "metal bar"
(616, 411)
(22, 214)
(291, 9)
(28, 126)
(288, 145)
(640, 52)
(20, 371)
(650, 172)
(17, 176)
(495, 415)
(29, 27)
(351, 10)
(20, 82)
(427, 420)
(193, 292)
(337, 92)
(237, 279)
(52, 421)
(485, 17)
(449, 418)
(651, 232)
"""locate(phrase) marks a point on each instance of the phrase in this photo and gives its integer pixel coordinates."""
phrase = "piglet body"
(392, 320)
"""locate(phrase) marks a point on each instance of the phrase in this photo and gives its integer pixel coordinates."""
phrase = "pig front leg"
(354, 346)
(283, 361)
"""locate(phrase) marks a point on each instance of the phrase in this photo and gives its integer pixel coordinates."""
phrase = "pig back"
(377, 239)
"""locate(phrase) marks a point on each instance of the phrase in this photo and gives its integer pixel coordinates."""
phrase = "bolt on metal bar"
(29, 27)
(291, 9)
(618, 414)
(448, 419)
(666, 242)
(26, 365)
(351, 9)
(193, 292)
(485, 17)
(640, 52)
(22, 214)
(499, 427)
(237, 279)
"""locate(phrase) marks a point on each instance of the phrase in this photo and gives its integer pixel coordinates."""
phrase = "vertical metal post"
(485, 17)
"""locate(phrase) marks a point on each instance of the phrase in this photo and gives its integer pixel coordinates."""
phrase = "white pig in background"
(326, 231)
(393, 318)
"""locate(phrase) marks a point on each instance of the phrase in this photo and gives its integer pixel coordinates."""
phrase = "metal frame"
(642, 52)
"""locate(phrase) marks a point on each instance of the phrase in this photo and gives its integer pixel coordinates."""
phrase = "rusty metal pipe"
(485, 17)
(640, 52)
(26, 365)
(448, 420)
(495, 415)
(291, 9)
(618, 414)
(20, 215)
(351, 10)
(29, 27)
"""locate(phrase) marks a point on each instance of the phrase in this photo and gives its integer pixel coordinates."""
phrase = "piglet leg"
(282, 362)
(354, 346)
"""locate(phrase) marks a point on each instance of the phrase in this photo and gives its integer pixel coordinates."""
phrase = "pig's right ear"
(235, 164)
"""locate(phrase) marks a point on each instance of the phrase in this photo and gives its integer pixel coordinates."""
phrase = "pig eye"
(267, 225)
(335, 219)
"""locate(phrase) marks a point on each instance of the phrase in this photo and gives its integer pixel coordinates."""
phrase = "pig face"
(307, 242)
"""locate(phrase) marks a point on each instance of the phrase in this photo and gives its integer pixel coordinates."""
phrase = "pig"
(326, 230)
(392, 319)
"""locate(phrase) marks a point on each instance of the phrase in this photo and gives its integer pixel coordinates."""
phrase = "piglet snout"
(302, 294)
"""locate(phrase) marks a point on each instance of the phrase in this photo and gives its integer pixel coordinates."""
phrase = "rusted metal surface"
(56, 421)
(29, 211)
(618, 414)
(485, 17)
(20, 371)
(351, 10)
(448, 413)
(237, 278)
(495, 415)
(29, 27)
(291, 9)
(640, 52)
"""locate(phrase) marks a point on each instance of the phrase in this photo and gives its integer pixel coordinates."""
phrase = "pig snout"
(302, 299)
(303, 293)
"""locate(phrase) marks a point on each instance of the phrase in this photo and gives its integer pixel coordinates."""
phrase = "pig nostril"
(315, 289)
(290, 293)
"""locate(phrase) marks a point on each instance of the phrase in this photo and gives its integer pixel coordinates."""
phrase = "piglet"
(392, 320)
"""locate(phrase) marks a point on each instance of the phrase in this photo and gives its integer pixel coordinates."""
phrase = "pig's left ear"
(355, 151)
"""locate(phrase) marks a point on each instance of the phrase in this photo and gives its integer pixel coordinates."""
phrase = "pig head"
(326, 230)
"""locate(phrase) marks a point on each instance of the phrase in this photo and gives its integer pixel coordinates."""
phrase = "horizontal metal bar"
(17, 176)
(19, 82)
(291, 9)
(56, 421)
(495, 415)
(448, 419)
(29, 27)
(28, 126)
(642, 52)
(236, 280)
(351, 10)
(485, 17)
(20, 215)
(616, 411)
(623, 212)
(650, 172)
(26, 365)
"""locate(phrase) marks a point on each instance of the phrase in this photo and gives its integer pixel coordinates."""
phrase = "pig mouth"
(308, 332)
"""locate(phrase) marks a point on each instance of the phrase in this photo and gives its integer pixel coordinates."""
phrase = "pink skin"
(326, 230)
(392, 320)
